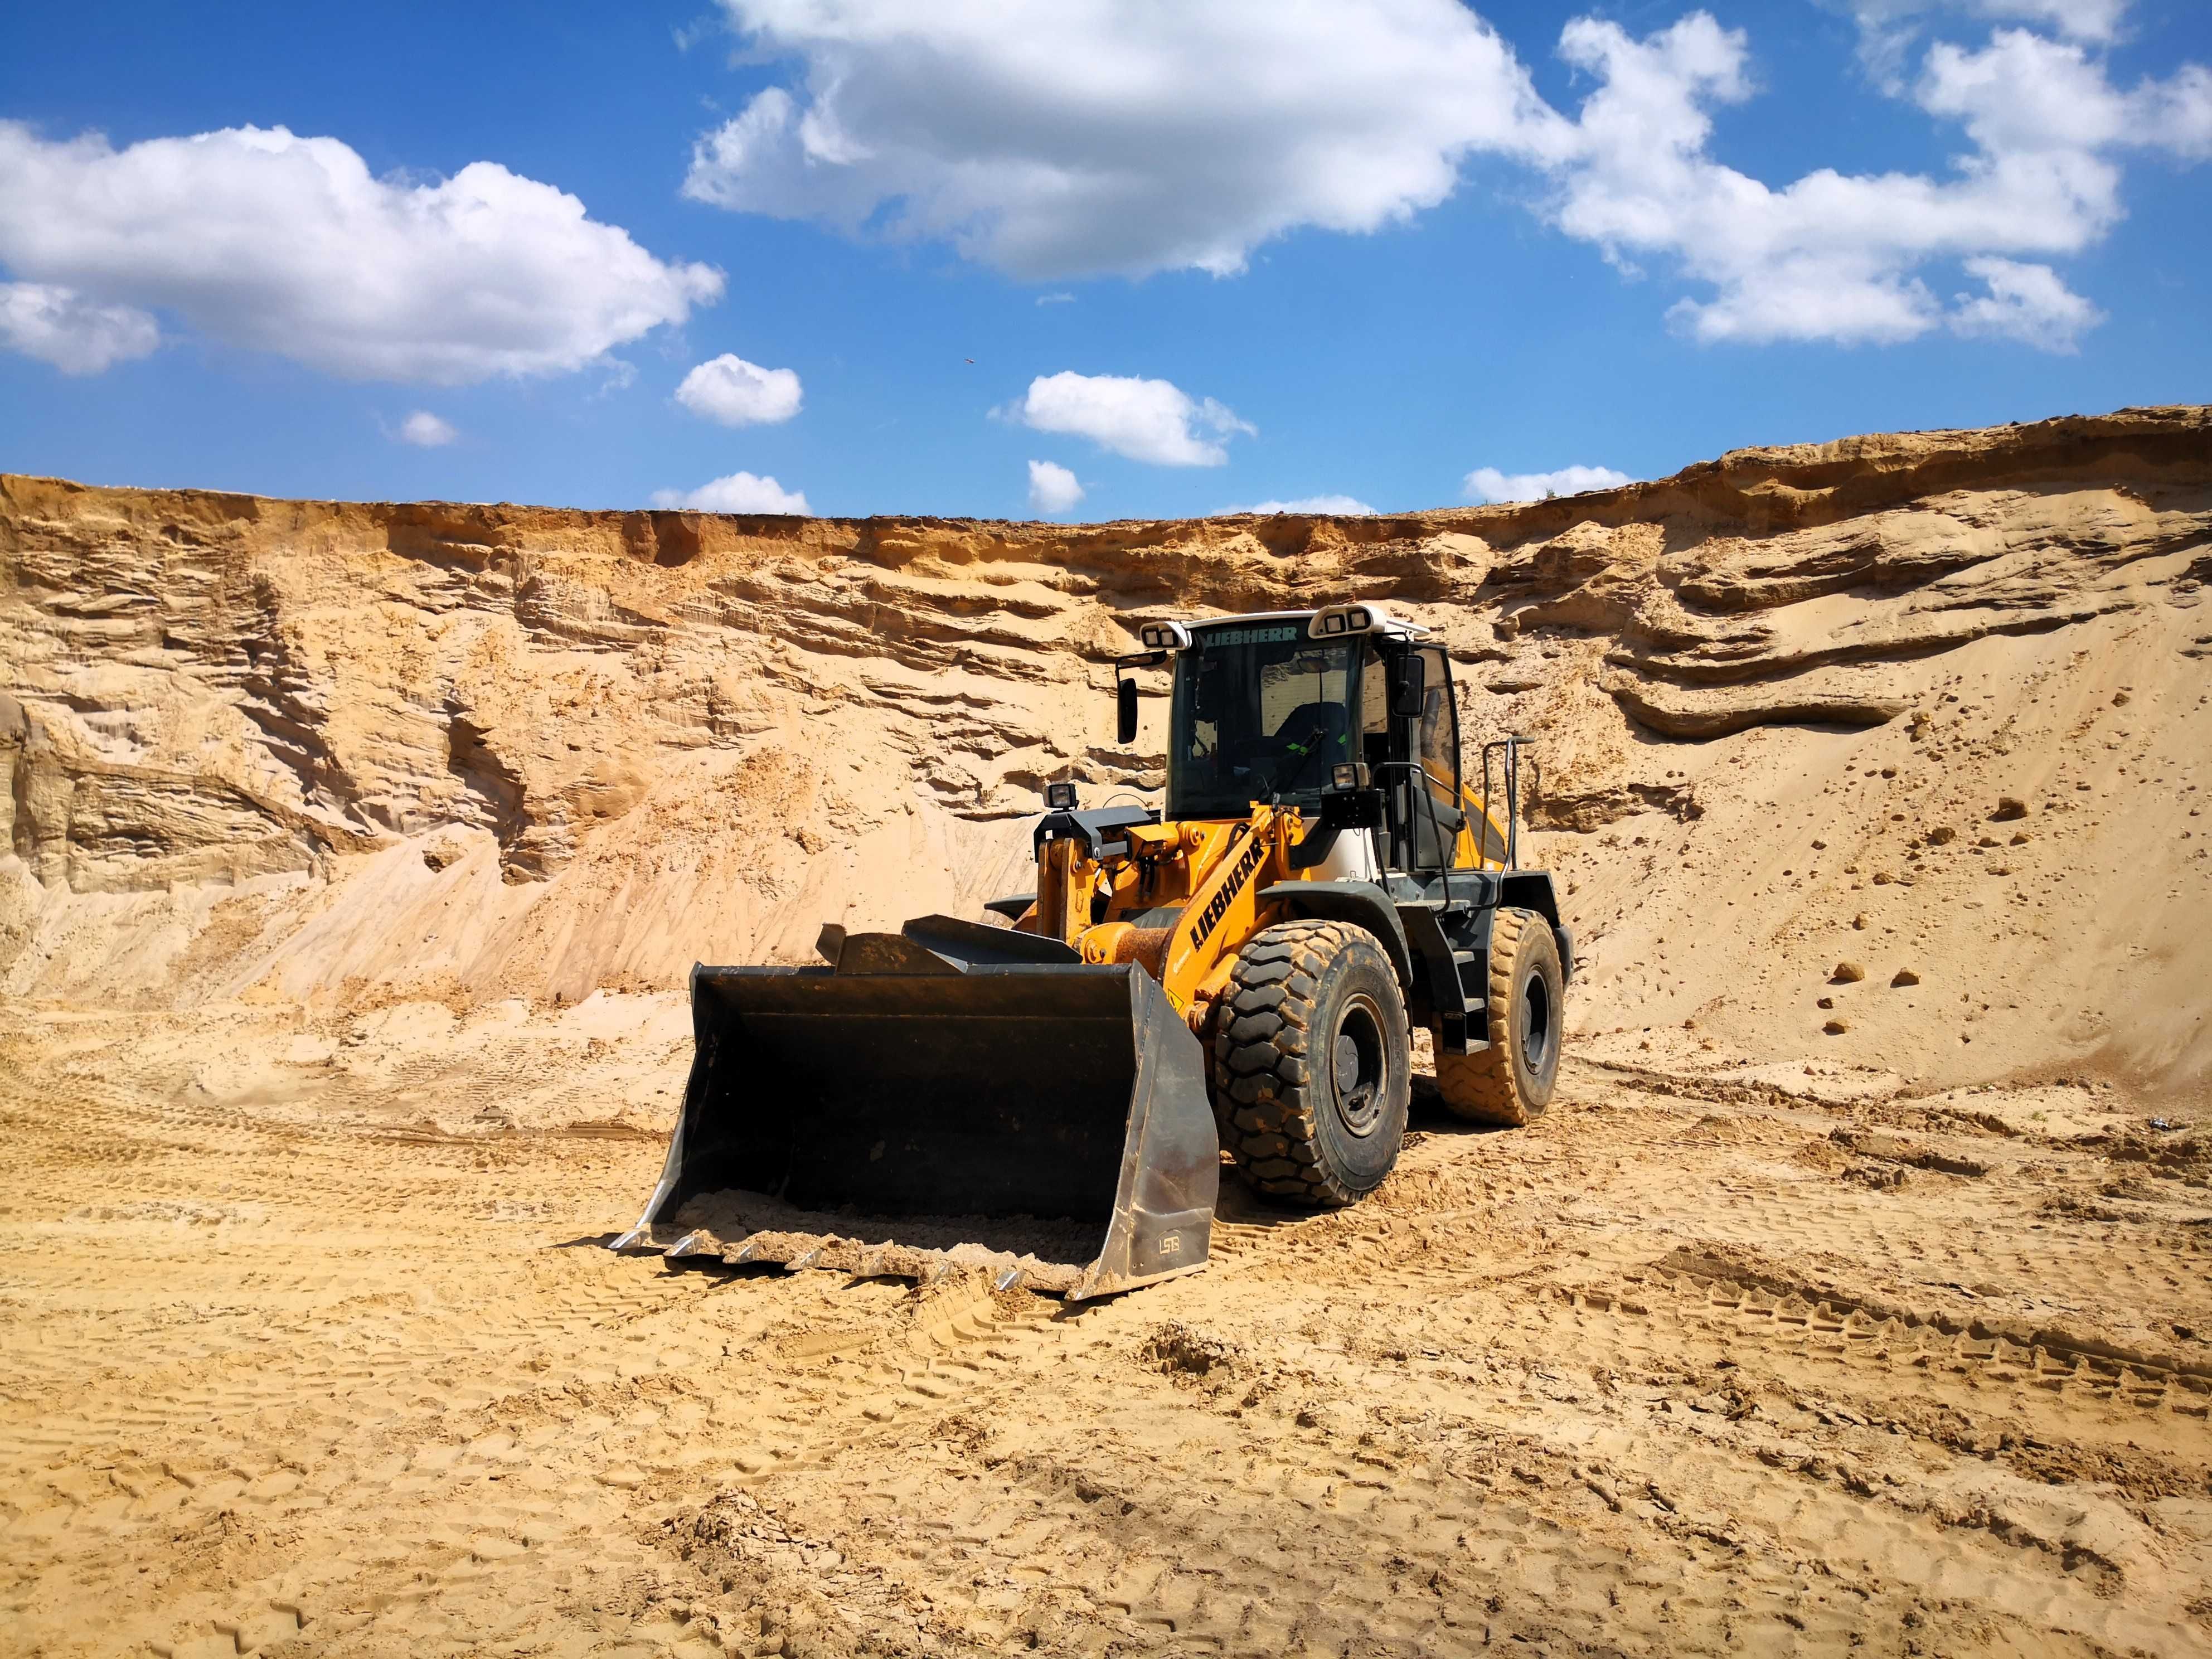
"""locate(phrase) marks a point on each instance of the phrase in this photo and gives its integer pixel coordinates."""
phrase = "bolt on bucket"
(953, 1095)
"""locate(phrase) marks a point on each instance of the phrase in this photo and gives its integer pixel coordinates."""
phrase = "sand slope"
(319, 752)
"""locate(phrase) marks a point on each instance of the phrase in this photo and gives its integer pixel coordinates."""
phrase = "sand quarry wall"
(1935, 705)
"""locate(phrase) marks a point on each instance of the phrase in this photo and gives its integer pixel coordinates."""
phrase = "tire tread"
(1267, 1117)
(1483, 1087)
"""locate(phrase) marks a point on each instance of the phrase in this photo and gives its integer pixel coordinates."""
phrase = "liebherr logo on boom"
(1256, 851)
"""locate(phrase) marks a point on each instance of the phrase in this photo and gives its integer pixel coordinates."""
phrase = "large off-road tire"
(1312, 1063)
(1510, 1082)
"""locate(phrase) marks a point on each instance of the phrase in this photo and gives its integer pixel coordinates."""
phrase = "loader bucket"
(908, 1110)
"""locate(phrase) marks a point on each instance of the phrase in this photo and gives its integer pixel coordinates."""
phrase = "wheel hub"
(1535, 1022)
(1358, 1066)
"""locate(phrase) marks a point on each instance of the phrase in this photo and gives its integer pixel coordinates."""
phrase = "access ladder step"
(1462, 961)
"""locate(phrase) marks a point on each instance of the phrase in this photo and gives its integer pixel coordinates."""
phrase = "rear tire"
(1312, 1063)
(1510, 1082)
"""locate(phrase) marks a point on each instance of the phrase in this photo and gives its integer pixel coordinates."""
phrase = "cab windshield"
(1261, 713)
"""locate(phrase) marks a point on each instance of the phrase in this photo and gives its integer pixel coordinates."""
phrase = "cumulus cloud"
(1840, 257)
(1487, 484)
(276, 243)
(1132, 140)
(1055, 138)
(1052, 488)
(1151, 421)
(1889, 29)
(77, 336)
(1342, 506)
(735, 392)
(740, 492)
(2024, 302)
(426, 431)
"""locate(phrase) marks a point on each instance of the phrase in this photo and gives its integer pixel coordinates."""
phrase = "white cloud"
(1052, 488)
(426, 430)
(1889, 29)
(735, 392)
(1836, 257)
(2025, 302)
(1487, 484)
(1342, 506)
(1065, 137)
(1144, 420)
(2022, 96)
(276, 243)
(60, 326)
(1057, 138)
(1062, 298)
(741, 492)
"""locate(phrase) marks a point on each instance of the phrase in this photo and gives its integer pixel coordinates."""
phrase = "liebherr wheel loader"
(1238, 974)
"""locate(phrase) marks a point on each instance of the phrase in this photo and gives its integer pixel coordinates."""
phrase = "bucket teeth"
(699, 1242)
(804, 1259)
(630, 1240)
(737, 1257)
(1011, 1279)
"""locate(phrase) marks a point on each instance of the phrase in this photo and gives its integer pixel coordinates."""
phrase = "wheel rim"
(1535, 1022)
(1359, 1066)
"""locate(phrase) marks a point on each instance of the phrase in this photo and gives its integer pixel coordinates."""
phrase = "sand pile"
(1886, 756)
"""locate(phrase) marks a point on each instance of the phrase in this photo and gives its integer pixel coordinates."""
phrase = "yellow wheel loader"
(1238, 975)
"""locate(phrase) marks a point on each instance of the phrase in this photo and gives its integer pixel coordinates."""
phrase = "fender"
(1361, 903)
(1531, 890)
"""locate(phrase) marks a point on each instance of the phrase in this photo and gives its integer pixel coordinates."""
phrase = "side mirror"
(1125, 711)
(1408, 686)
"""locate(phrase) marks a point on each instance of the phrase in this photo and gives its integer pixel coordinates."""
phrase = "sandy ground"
(1742, 1359)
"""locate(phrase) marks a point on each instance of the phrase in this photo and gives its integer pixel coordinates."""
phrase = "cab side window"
(1437, 825)
(1439, 720)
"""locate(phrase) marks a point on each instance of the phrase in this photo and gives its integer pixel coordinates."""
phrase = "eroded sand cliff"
(333, 753)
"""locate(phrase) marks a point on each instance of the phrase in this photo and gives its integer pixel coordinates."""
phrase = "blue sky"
(1258, 250)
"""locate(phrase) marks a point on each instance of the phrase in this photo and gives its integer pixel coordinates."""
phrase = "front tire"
(1510, 1082)
(1312, 1065)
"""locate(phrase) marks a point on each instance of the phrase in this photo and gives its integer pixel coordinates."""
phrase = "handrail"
(1511, 772)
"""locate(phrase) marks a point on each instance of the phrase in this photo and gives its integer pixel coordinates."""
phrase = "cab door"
(1440, 822)
(1474, 840)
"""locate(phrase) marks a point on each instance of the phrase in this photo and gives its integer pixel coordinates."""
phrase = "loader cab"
(1268, 709)
(1261, 712)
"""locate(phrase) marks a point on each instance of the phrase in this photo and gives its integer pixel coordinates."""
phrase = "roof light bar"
(1335, 621)
(1165, 636)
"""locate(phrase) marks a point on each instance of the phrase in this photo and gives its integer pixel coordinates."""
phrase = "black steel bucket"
(908, 1082)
